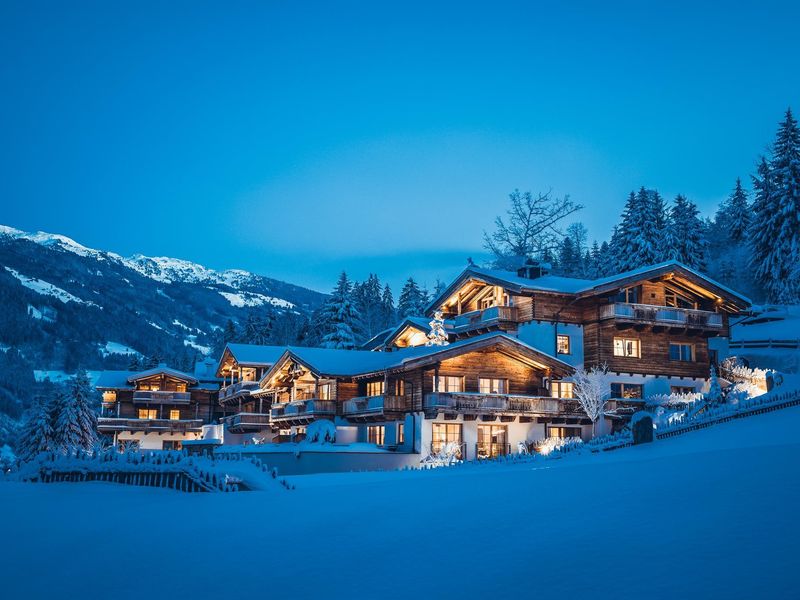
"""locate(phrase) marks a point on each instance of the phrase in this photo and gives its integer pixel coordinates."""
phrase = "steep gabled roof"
(162, 370)
(121, 380)
(250, 355)
(552, 284)
(385, 337)
(326, 362)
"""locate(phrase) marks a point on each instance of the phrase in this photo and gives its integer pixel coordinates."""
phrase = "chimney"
(532, 269)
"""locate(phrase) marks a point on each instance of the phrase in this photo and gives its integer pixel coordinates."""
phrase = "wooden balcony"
(235, 391)
(161, 397)
(112, 424)
(486, 318)
(302, 412)
(375, 408)
(490, 406)
(245, 422)
(662, 316)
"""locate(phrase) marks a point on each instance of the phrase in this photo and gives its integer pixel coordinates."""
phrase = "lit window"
(443, 434)
(325, 391)
(564, 432)
(375, 388)
(401, 433)
(492, 386)
(399, 388)
(562, 389)
(627, 347)
(627, 390)
(110, 396)
(375, 434)
(684, 352)
(562, 344)
(147, 413)
(449, 384)
(174, 415)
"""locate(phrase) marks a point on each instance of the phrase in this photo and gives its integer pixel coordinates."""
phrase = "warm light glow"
(110, 396)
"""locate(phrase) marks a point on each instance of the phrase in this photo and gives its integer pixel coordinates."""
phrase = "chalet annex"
(503, 378)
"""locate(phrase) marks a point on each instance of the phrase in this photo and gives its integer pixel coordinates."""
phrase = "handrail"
(661, 314)
(303, 407)
(464, 401)
(367, 404)
(486, 315)
(140, 424)
(161, 396)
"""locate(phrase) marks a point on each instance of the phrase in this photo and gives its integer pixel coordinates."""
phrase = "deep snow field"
(710, 514)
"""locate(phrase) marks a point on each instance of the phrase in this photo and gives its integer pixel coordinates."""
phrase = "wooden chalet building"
(657, 328)
(244, 413)
(158, 408)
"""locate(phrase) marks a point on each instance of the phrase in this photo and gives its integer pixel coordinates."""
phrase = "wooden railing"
(498, 403)
(374, 404)
(493, 314)
(661, 314)
(229, 391)
(161, 397)
(245, 419)
(170, 425)
(299, 408)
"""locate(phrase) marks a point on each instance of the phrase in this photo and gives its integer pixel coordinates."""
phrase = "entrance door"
(492, 441)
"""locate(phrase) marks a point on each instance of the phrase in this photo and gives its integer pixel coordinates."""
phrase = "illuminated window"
(492, 386)
(627, 390)
(110, 396)
(562, 389)
(627, 347)
(684, 352)
(399, 388)
(375, 388)
(443, 434)
(563, 432)
(174, 415)
(325, 391)
(449, 384)
(375, 434)
(562, 344)
(148, 413)
(401, 433)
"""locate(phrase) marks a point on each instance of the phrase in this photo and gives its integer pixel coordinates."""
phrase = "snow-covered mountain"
(65, 303)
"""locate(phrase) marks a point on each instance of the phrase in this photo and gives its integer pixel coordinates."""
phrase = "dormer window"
(631, 295)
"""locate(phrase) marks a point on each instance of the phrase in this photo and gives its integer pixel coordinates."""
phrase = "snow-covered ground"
(709, 514)
(47, 289)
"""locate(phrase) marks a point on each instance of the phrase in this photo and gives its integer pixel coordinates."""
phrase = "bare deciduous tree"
(531, 229)
(592, 390)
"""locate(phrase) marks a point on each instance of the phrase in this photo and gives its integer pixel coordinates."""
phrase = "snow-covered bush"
(672, 401)
(447, 455)
(321, 431)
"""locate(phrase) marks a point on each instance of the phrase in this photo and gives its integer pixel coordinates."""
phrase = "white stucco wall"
(542, 336)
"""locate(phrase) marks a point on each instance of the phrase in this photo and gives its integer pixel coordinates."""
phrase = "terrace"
(302, 412)
(375, 408)
(666, 316)
(507, 406)
(112, 424)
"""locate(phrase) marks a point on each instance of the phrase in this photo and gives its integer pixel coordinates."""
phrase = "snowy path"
(709, 514)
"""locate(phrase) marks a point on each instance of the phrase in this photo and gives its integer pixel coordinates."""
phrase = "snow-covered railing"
(166, 469)
(374, 404)
(303, 408)
(109, 424)
(764, 343)
(232, 390)
(246, 419)
(661, 314)
(487, 315)
(713, 415)
(476, 402)
(159, 396)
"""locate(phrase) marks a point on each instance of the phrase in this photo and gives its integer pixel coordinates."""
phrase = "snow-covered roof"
(124, 380)
(383, 338)
(377, 340)
(252, 354)
(114, 380)
(572, 286)
(352, 363)
(162, 370)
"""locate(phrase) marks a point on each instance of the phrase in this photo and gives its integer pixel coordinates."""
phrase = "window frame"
(371, 386)
(557, 383)
(151, 414)
(379, 437)
(561, 337)
(401, 434)
(681, 346)
(623, 385)
(625, 341)
(502, 389)
(174, 411)
(446, 379)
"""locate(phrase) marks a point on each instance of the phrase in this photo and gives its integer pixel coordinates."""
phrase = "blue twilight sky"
(296, 139)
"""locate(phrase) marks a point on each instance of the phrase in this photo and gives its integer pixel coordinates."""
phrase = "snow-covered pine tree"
(36, 433)
(641, 236)
(339, 317)
(367, 299)
(775, 231)
(437, 336)
(737, 213)
(593, 262)
(714, 395)
(387, 303)
(687, 234)
(412, 300)
(568, 259)
(76, 424)
(258, 330)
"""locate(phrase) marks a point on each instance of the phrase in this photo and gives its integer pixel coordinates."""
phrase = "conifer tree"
(339, 317)
(412, 300)
(76, 423)
(387, 303)
(736, 213)
(368, 302)
(687, 234)
(36, 434)
(775, 231)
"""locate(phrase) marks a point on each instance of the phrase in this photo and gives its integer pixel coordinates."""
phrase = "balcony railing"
(246, 421)
(367, 406)
(646, 313)
(466, 402)
(161, 397)
(235, 389)
(303, 410)
(487, 316)
(109, 424)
